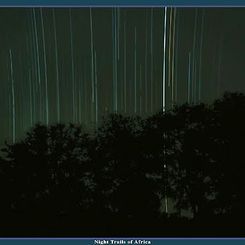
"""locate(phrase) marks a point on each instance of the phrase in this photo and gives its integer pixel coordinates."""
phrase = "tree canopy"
(61, 179)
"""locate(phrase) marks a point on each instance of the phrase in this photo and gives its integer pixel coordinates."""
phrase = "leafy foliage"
(68, 178)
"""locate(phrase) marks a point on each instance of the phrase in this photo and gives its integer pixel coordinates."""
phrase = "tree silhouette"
(119, 166)
(48, 174)
(60, 179)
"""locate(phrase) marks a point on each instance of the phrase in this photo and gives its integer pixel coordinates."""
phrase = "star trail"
(79, 64)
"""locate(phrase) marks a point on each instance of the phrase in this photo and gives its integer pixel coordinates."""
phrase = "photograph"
(125, 121)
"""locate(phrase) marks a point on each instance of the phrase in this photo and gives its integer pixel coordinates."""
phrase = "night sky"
(76, 65)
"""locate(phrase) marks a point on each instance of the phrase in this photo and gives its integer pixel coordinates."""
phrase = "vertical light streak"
(164, 61)
(116, 59)
(30, 97)
(34, 90)
(125, 70)
(56, 68)
(82, 96)
(189, 77)
(115, 52)
(135, 71)
(45, 68)
(13, 96)
(194, 88)
(36, 42)
(200, 58)
(38, 63)
(118, 33)
(193, 81)
(164, 100)
(169, 48)
(146, 63)
(219, 67)
(151, 60)
(113, 59)
(33, 63)
(10, 111)
(79, 106)
(173, 57)
(72, 67)
(84, 93)
(140, 88)
(176, 58)
(92, 60)
(96, 91)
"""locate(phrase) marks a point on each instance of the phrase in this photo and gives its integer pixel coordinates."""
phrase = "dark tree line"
(61, 180)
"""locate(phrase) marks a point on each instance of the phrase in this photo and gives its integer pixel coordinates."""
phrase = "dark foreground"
(62, 181)
(122, 228)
